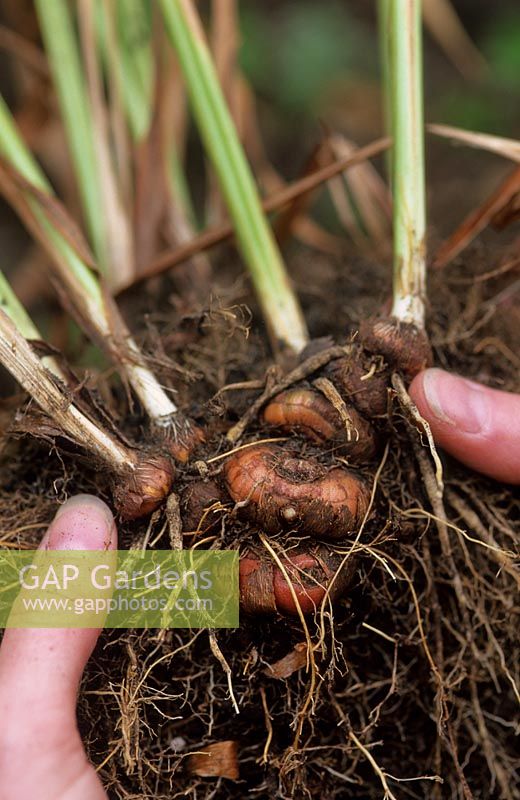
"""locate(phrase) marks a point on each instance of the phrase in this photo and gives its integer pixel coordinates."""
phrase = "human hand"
(41, 753)
(477, 425)
(40, 670)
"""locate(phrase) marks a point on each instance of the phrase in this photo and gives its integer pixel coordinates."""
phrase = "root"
(503, 558)
(310, 694)
(217, 652)
(375, 766)
(173, 515)
(412, 413)
(395, 644)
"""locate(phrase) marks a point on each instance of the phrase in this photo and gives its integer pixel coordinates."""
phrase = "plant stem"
(11, 306)
(173, 123)
(63, 53)
(404, 20)
(119, 242)
(279, 304)
(21, 361)
(140, 480)
(121, 24)
(219, 233)
(97, 311)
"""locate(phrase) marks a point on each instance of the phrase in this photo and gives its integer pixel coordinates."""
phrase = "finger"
(477, 425)
(40, 672)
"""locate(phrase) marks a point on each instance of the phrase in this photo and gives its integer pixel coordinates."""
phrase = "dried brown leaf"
(446, 27)
(218, 760)
(295, 660)
(508, 214)
(23, 49)
(192, 280)
(478, 220)
(313, 235)
(150, 192)
(367, 191)
(508, 148)
(224, 41)
(284, 225)
(15, 187)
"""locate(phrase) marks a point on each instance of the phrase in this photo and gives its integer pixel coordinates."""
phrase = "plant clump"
(302, 489)
(384, 602)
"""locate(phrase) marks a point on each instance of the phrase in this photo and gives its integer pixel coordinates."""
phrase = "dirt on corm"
(408, 684)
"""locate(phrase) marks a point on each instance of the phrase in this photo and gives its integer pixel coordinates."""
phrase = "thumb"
(477, 425)
(40, 670)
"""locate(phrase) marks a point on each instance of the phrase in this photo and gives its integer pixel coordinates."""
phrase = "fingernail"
(456, 401)
(82, 523)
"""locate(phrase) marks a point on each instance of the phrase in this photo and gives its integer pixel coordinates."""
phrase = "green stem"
(98, 312)
(63, 53)
(178, 185)
(123, 24)
(405, 35)
(10, 304)
(279, 304)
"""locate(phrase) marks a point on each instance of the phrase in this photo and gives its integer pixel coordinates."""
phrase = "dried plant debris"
(218, 760)
(386, 654)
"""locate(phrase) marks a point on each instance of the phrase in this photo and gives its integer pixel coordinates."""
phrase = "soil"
(414, 675)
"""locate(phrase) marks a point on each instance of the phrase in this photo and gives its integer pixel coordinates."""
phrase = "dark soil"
(415, 676)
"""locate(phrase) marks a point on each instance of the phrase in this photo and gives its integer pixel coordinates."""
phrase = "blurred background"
(309, 60)
(314, 69)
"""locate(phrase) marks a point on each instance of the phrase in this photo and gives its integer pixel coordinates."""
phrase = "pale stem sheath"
(21, 361)
(409, 290)
(119, 244)
(127, 52)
